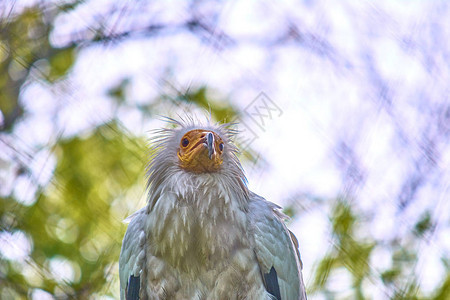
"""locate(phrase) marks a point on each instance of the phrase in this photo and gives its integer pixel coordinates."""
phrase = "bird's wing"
(132, 257)
(276, 249)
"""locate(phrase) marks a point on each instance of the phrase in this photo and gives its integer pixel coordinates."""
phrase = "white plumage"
(203, 234)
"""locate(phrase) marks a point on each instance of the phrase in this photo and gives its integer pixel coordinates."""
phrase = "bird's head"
(201, 151)
(193, 154)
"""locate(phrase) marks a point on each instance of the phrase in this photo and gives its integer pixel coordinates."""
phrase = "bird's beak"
(210, 144)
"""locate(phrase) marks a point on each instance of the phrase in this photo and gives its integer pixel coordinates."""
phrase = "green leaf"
(61, 62)
(423, 225)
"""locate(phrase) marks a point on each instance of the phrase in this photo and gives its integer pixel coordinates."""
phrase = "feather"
(271, 283)
(133, 288)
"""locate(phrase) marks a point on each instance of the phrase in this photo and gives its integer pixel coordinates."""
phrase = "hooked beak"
(210, 144)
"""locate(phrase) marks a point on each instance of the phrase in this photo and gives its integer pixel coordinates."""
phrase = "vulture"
(203, 234)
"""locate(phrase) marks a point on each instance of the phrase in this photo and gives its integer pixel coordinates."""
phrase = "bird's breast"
(198, 245)
(196, 232)
(241, 272)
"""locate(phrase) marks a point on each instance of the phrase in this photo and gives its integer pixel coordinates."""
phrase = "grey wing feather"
(132, 256)
(276, 249)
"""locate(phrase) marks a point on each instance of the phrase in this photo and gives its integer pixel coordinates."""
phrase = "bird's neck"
(199, 223)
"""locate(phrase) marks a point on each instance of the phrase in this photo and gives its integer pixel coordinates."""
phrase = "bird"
(203, 234)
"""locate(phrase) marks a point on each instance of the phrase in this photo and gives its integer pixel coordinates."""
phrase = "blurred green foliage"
(352, 252)
(219, 111)
(348, 253)
(24, 43)
(77, 218)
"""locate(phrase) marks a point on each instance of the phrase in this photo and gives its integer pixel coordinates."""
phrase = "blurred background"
(344, 117)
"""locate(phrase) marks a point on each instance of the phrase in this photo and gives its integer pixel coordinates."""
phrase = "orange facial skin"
(201, 151)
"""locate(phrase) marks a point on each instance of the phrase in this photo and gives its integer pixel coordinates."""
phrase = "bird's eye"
(184, 142)
(221, 146)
